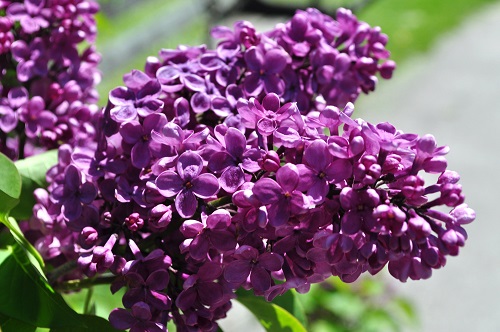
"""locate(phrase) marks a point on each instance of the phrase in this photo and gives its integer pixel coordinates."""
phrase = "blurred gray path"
(453, 92)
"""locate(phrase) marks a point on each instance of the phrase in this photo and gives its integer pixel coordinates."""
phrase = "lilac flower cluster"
(47, 79)
(242, 167)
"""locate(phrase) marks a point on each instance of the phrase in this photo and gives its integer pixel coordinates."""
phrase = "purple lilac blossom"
(185, 200)
(40, 43)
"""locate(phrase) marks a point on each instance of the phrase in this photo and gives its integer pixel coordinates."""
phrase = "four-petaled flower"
(187, 183)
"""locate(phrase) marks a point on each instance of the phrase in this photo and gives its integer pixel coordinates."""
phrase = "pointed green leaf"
(26, 296)
(18, 235)
(32, 171)
(8, 324)
(290, 302)
(91, 323)
(272, 317)
(10, 185)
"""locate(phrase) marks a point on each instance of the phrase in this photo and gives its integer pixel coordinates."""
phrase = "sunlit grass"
(413, 26)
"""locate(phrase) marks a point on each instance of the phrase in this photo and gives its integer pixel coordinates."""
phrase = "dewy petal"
(237, 271)
(267, 191)
(205, 185)
(189, 165)
(169, 183)
(186, 203)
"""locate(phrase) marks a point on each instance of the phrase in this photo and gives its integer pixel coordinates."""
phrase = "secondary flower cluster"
(242, 167)
(47, 80)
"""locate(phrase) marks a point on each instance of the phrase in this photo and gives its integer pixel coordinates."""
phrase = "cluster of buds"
(47, 79)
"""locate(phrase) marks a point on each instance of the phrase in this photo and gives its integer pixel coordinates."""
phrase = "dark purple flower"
(359, 205)
(281, 196)
(187, 183)
(74, 192)
(250, 264)
(138, 319)
(36, 118)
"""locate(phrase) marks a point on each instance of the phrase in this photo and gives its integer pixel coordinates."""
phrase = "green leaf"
(32, 171)
(27, 297)
(18, 235)
(272, 317)
(10, 185)
(90, 324)
(8, 324)
(290, 302)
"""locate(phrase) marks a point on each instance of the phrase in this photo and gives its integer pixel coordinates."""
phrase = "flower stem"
(73, 285)
(59, 271)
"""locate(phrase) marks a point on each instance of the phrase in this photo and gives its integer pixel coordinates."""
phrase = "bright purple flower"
(265, 67)
(16, 97)
(139, 136)
(6, 35)
(175, 77)
(321, 169)
(140, 97)
(236, 158)
(281, 196)
(31, 14)
(187, 183)
(265, 117)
